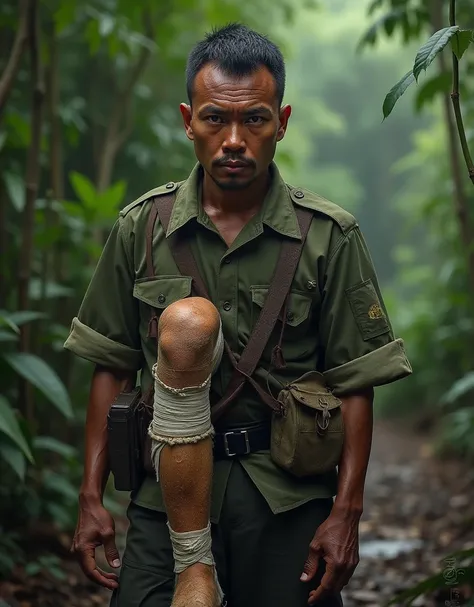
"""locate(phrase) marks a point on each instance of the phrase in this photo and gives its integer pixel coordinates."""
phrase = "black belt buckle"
(238, 433)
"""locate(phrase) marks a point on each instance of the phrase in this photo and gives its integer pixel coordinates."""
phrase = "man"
(277, 539)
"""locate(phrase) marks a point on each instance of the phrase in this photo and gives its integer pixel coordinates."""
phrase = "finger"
(111, 552)
(325, 586)
(311, 564)
(90, 569)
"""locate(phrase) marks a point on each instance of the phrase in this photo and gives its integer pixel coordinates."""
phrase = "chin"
(232, 184)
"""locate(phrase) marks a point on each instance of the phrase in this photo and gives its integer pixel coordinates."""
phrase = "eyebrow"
(218, 111)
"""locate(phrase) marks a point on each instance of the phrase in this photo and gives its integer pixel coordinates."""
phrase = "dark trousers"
(259, 555)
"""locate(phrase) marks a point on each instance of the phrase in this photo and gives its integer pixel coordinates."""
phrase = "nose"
(234, 142)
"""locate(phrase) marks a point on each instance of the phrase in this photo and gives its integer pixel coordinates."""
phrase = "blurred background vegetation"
(89, 120)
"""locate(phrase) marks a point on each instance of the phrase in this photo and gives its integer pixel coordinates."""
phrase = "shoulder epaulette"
(315, 202)
(171, 186)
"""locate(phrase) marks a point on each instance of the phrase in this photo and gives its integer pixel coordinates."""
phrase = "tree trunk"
(31, 191)
(460, 199)
(13, 65)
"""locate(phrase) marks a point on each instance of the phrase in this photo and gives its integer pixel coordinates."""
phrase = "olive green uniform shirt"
(336, 319)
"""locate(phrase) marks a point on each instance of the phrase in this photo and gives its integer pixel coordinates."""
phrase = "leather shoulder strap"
(279, 288)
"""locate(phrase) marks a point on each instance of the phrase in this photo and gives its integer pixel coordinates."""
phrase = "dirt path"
(417, 510)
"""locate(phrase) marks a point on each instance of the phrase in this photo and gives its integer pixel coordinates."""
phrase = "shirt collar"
(277, 210)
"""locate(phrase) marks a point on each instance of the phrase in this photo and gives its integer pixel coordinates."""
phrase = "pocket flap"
(310, 389)
(298, 305)
(161, 291)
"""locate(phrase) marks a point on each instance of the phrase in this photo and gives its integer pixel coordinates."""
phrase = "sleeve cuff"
(382, 366)
(95, 347)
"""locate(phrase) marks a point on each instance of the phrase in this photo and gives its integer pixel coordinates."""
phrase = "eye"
(255, 120)
(214, 119)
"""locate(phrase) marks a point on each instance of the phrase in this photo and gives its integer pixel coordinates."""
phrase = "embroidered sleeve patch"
(368, 312)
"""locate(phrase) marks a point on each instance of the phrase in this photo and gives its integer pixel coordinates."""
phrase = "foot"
(196, 587)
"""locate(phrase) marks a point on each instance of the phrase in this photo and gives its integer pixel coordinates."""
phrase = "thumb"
(111, 552)
(311, 564)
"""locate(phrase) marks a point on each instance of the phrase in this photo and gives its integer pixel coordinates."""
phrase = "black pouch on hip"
(125, 440)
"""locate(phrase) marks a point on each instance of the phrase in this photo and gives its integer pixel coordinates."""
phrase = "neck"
(235, 201)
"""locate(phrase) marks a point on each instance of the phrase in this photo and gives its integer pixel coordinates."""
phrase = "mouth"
(235, 166)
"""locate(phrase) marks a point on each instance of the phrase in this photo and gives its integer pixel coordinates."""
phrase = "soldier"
(278, 538)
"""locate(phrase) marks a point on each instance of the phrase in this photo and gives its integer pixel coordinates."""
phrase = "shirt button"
(161, 298)
(299, 194)
(170, 185)
(227, 306)
(227, 260)
(290, 316)
(311, 284)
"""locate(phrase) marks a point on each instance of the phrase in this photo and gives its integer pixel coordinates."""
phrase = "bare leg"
(188, 331)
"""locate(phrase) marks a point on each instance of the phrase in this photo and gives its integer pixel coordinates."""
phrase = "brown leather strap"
(277, 294)
(150, 271)
(280, 285)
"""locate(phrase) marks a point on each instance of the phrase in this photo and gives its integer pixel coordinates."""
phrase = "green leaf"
(10, 427)
(7, 336)
(396, 92)
(432, 48)
(22, 318)
(461, 41)
(49, 443)
(113, 196)
(438, 84)
(386, 21)
(14, 458)
(83, 188)
(41, 375)
(61, 485)
(458, 389)
(15, 189)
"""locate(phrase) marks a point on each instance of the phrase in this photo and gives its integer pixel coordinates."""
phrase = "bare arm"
(106, 384)
(337, 539)
(95, 526)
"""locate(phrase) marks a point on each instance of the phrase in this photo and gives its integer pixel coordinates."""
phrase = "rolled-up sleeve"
(106, 329)
(358, 344)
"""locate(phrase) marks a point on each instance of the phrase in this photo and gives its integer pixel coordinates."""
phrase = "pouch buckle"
(238, 433)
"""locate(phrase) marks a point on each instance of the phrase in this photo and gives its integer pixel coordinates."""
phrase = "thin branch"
(456, 100)
(116, 135)
(13, 65)
(31, 192)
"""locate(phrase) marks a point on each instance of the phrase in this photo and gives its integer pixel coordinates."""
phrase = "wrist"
(89, 496)
(349, 509)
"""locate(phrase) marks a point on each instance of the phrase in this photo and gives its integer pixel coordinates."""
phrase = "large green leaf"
(461, 41)
(396, 92)
(8, 336)
(388, 21)
(49, 443)
(41, 375)
(13, 457)
(432, 48)
(84, 188)
(15, 186)
(10, 427)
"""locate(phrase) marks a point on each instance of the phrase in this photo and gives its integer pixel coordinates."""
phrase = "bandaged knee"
(182, 416)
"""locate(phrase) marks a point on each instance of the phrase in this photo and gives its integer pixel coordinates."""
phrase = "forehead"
(212, 85)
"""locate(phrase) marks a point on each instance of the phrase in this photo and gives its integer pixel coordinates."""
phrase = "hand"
(337, 542)
(95, 527)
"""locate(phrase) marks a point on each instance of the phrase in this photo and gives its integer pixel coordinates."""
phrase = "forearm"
(105, 386)
(357, 412)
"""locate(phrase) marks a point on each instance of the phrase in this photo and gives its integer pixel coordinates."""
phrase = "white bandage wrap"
(182, 416)
(193, 547)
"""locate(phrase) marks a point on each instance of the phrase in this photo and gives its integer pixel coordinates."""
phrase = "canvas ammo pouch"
(307, 437)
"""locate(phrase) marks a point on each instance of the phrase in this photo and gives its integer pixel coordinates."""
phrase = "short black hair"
(238, 51)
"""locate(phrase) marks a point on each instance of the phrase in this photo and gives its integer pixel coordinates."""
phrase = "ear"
(285, 113)
(187, 113)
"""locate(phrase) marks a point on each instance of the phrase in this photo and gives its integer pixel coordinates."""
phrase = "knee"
(188, 329)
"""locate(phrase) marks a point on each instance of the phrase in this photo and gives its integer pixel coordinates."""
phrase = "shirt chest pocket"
(298, 314)
(158, 293)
